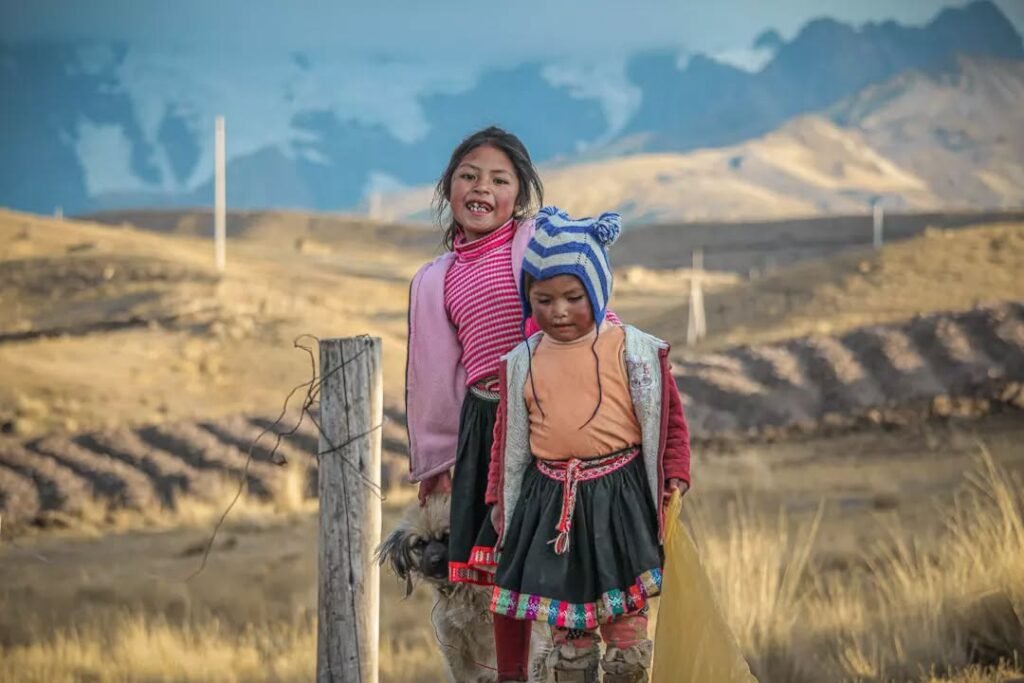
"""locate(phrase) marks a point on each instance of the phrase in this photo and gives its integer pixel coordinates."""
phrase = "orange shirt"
(565, 380)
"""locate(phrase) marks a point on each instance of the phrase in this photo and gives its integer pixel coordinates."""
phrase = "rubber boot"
(628, 665)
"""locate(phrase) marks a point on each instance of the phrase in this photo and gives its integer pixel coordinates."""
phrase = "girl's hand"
(495, 517)
(675, 485)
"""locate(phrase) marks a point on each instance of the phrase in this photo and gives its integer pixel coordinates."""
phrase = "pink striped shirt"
(482, 301)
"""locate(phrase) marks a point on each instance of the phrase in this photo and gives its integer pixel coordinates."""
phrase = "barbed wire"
(312, 387)
(14, 544)
(310, 399)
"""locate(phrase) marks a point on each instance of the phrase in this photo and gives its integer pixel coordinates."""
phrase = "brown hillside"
(939, 271)
(104, 327)
(287, 229)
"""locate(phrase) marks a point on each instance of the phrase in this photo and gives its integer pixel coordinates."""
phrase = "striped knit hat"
(563, 246)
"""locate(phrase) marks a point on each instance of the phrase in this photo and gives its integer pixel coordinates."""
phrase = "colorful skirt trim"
(483, 556)
(463, 572)
(587, 615)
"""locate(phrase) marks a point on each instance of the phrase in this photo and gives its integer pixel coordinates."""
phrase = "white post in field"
(375, 205)
(219, 198)
(696, 328)
(878, 221)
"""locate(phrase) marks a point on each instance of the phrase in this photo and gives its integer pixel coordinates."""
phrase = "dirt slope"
(103, 327)
(938, 271)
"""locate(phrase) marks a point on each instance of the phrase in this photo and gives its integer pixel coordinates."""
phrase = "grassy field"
(135, 378)
(819, 582)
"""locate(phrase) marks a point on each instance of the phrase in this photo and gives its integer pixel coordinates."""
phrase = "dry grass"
(146, 649)
(948, 612)
(155, 650)
(1001, 674)
(903, 612)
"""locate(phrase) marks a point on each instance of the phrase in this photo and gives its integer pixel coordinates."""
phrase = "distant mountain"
(711, 104)
(961, 132)
(919, 142)
(95, 127)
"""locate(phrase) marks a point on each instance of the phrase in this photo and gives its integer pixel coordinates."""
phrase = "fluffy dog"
(417, 550)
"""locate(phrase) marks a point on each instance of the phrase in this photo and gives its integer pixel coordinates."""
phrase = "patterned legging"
(623, 632)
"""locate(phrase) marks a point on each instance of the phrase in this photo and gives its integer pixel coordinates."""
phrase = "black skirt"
(613, 560)
(472, 536)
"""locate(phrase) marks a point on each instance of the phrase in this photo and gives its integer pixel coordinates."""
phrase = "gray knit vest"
(643, 368)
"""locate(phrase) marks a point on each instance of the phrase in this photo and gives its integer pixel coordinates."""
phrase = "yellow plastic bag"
(692, 643)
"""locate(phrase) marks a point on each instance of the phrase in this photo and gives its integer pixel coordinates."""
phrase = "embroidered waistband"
(571, 472)
(484, 394)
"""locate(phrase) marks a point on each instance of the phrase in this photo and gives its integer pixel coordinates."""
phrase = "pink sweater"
(435, 379)
(482, 300)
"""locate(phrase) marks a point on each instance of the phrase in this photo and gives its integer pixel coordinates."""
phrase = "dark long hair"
(531, 190)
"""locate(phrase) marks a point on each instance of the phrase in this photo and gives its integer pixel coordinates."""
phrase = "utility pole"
(878, 223)
(375, 205)
(696, 328)
(219, 198)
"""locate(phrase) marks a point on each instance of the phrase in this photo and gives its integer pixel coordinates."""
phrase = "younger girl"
(590, 437)
(464, 314)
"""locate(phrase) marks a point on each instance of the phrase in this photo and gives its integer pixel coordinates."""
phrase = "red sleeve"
(493, 493)
(439, 483)
(676, 462)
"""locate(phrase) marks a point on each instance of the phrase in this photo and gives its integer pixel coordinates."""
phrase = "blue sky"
(481, 33)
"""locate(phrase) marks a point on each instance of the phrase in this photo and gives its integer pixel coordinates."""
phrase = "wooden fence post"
(351, 410)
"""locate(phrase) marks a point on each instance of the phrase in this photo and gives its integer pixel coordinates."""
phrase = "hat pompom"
(606, 228)
(544, 215)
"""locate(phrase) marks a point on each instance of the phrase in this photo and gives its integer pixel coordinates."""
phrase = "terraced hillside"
(153, 471)
(943, 365)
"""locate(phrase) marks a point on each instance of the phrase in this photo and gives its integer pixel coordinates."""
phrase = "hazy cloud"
(471, 32)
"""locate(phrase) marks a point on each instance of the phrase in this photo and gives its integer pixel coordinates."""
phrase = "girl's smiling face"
(484, 191)
(561, 307)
